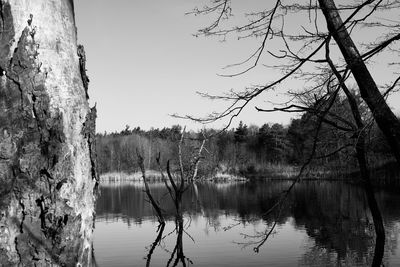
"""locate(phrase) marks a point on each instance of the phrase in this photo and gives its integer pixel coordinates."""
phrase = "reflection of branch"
(156, 242)
(198, 199)
(263, 237)
(267, 235)
(94, 262)
(177, 252)
(230, 226)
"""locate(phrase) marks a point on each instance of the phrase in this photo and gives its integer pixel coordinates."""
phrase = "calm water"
(321, 224)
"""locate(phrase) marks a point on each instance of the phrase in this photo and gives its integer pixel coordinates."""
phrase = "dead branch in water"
(154, 203)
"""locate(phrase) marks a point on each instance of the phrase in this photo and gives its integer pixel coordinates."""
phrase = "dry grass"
(137, 176)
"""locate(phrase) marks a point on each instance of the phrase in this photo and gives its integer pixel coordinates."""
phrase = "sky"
(144, 64)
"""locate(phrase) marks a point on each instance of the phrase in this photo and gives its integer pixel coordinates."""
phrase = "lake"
(224, 224)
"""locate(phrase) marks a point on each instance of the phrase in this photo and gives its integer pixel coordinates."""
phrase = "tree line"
(246, 149)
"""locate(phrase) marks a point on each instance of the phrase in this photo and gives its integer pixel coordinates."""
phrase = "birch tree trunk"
(47, 174)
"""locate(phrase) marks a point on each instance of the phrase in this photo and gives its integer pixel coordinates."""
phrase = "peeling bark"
(89, 132)
(82, 68)
(47, 167)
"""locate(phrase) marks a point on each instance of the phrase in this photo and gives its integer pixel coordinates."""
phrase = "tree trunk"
(47, 174)
(373, 205)
(362, 162)
(383, 115)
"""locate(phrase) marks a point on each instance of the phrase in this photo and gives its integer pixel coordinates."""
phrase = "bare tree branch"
(153, 202)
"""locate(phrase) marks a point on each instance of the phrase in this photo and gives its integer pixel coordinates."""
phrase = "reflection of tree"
(94, 262)
(319, 256)
(334, 214)
(177, 254)
(156, 243)
(360, 149)
(336, 219)
(342, 224)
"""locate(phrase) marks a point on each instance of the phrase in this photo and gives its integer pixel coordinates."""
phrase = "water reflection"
(157, 242)
(329, 221)
(177, 254)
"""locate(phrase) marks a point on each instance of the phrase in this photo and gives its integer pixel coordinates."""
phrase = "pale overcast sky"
(144, 64)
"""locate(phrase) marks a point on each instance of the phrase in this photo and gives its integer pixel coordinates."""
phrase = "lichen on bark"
(46, 166)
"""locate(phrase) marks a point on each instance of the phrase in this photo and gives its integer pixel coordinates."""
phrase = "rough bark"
(47, 174)
(383, 115)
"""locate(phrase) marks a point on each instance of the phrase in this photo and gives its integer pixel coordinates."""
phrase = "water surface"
(321, 224)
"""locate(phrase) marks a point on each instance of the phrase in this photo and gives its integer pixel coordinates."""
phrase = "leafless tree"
(308, 55)
(183, 178)
(175, 187)
(300, 55)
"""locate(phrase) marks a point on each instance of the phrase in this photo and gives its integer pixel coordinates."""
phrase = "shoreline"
(271, 174)
(152, 175)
